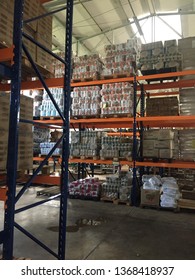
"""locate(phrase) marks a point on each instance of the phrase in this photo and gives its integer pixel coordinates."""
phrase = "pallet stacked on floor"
(25, 141)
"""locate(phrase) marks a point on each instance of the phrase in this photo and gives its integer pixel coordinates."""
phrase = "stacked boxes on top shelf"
(25, 141)
(87, 67)
(117, 98)
(156, 56)
(186, 47)
(85, 101)
(44, 37)
(121, 58)
(40, 30)
(160, 143)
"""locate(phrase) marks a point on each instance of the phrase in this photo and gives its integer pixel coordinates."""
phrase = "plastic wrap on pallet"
(116, 147)
(85, 143)
(85, 188)
(169, 192)
(87, 66)
(47, 146)
(121, 58)
(118, 186)
(117, 98)
(47, 108)
(85, 101)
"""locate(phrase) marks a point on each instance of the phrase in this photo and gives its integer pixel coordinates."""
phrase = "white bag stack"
(170, 193)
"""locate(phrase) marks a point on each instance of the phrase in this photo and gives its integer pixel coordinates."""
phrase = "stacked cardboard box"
(44, 37)
(186, 47)
(160, 143)
(25, 141)
(187, 101)
(187, 144)
(40, 30)
(163, 106)
(156, 56)
(6, 22)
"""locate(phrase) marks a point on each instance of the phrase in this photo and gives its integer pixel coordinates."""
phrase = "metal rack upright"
(7, 235)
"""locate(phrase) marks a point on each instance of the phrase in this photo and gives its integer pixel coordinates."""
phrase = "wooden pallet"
(50, 118)
(88, 79)
(85, 117)
(122, 202)
(49, 191)
(90, 157)
(108, 199)
(186, 203)
(122, 115)
(116, 75)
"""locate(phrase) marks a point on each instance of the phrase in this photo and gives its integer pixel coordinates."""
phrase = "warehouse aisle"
(115, 231)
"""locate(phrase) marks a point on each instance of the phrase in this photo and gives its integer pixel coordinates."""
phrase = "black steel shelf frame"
(7, 235)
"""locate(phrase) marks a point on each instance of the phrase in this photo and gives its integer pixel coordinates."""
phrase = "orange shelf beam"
(58, 82)
(42, 179)
(6, 54)
(157, 121)
(3, 194)
(168, 121)
(95, 123)
(174, 164)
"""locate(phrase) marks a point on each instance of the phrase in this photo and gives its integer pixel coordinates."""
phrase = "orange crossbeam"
(59, 82)
(6, 54)
(174, 164)
(42, 179)
(3, 194)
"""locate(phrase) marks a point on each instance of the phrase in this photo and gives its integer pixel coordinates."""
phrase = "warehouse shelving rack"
(142, 121)
(15, 55)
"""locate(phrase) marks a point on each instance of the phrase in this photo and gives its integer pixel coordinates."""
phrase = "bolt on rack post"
(7, 235)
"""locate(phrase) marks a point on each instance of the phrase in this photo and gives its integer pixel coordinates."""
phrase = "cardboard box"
(29, 45)
(150, 153)
(148, 144)
(186, 43)
(150, 134)
(164, 144)
(31, 10)
(6, 28)
(166, 153)
(44, 26)
(166, 134)
(150, 197)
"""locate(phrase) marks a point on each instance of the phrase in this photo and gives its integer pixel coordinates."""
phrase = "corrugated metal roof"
(101, 22)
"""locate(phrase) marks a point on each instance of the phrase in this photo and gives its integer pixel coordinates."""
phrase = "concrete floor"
(128, 233)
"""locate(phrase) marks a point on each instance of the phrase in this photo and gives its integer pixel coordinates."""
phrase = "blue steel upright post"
(142, 113)
(13, 131)
(65, 147)
(134, 156)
